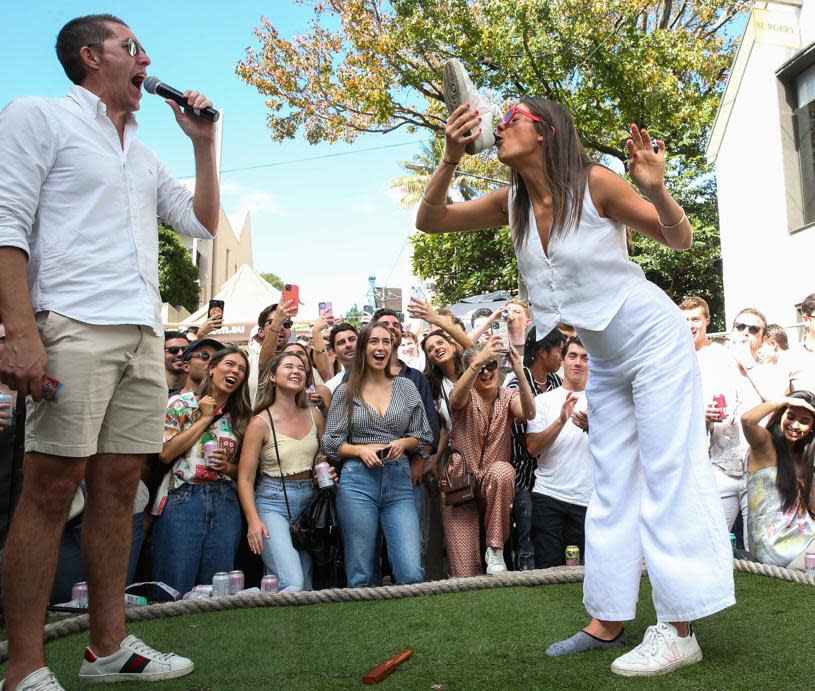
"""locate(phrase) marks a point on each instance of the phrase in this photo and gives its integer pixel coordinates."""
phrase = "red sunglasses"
(520, 111)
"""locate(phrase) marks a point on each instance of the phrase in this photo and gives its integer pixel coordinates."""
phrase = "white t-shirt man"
(335, 381)
(564, 470)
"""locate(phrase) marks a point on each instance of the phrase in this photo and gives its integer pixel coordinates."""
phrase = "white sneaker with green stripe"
(134, 661)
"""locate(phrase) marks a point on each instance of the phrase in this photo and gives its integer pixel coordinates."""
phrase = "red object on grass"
(378, 673)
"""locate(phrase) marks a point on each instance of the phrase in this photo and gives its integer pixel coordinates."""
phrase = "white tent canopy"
(245, 295)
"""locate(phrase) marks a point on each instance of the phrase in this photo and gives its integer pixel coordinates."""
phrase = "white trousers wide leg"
(655, 493)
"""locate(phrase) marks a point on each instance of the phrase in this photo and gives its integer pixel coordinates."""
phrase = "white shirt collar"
(92, 104)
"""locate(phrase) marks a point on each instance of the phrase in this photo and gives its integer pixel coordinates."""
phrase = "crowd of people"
(514, 416)
(515, 442)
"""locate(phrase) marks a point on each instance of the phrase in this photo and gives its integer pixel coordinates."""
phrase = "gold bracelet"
(675, 225)
(432, 204)
(319, 351)
(477, 371)
(449, 162)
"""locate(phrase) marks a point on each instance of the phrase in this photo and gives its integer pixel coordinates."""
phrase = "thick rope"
(558, 574)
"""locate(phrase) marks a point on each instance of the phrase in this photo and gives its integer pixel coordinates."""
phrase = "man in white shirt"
(722, 385)
(79, 197)
(343, 340)
(563, 478)
(798, 364)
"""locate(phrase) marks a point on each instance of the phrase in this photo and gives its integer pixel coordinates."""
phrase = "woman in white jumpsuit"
(655, 493)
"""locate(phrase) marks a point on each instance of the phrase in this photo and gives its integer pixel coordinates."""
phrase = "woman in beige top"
(283, 412)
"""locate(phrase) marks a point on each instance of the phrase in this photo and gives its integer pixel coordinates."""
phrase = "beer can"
(79, 594)
(51, 388)
(206, 589)
(572, 555)
(8, 399)
(721, 404)
(809, 563)
(733, 543)
(235, 581)
(134, 600)
(220, 584)
(192, 595)
(269, 584)
(209, 447)
(323, 479)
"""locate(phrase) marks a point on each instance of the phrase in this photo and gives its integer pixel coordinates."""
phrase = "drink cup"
(9, 400)
(323, 478)
(209, 447)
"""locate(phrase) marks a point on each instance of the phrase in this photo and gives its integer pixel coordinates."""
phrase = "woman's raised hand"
(422, 309)
(792, 402)
(646, 166)
(493, 348)
(463, 127)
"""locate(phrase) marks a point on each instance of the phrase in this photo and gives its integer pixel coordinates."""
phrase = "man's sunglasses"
(489, 367)
(131, 44)
(173, 350)
(286, 324)
(752, 328)
(515, 110)
(201, 356)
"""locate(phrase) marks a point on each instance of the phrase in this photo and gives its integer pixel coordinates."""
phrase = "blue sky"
(326, 224)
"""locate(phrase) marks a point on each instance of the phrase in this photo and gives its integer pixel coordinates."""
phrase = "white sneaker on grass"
(662, 650)
(134, 661)
(495, 561)
(458, 89)
(39, 680)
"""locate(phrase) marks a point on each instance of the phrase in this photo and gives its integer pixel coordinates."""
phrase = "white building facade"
(763, 147)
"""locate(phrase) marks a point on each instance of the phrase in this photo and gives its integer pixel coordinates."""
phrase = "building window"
(805, 130)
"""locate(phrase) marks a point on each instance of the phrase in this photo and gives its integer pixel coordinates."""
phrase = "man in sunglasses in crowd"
(79, 198)
(722, 385)
(195, 361)
(174, 345)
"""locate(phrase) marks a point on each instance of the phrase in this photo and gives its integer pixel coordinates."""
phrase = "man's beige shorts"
(114, 394)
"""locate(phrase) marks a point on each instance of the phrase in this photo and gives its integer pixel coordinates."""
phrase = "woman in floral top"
(199, 524)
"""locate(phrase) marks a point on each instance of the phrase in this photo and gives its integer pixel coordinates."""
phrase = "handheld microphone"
(154, 85)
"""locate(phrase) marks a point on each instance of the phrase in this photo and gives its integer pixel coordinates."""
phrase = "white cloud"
(239, 199)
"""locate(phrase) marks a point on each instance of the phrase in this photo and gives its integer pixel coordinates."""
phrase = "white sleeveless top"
(586, 276)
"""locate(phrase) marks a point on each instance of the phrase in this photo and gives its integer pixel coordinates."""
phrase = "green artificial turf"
(488, 639)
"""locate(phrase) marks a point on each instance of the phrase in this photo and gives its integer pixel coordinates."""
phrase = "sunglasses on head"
(489, 367)
(173, 350)
(752, 328)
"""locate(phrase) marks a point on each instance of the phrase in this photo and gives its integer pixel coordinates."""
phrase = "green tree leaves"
(376, 65)
(177, 276)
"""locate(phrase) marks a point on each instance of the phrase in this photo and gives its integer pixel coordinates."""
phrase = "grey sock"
(582, 641)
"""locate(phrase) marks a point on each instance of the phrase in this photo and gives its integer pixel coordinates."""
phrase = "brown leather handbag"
(465, 487)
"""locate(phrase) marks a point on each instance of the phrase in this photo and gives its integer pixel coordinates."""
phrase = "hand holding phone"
(216, 309)
(291, 292)
(326, 310)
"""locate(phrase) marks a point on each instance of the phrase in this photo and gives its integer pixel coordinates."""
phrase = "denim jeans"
(522, 512)
(196, 535)
(372, 497)
(293, 568)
